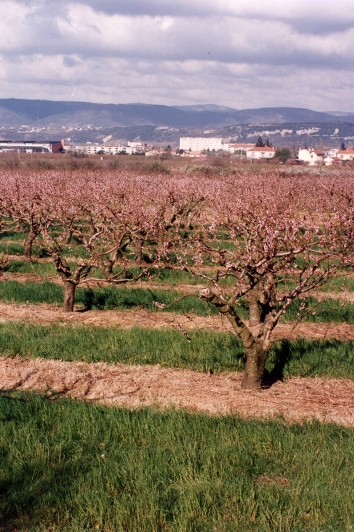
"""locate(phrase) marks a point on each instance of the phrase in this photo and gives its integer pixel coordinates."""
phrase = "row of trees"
(256, 241)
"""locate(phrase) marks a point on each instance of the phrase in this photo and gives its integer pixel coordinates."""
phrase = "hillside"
(161, 124)
(16, 112)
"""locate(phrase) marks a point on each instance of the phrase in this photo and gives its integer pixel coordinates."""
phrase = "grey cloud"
(315, 16)
(69, 61)
(239, 54)
(178, 83)
(220, 39)
(225, 41)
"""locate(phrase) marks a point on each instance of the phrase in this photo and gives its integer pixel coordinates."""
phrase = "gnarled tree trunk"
(68, 236)
(69, 296)
(254, 371)
(28, 244)
(256, 353)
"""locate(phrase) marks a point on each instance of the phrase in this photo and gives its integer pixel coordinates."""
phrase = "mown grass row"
(124, 298)
(200, 350)
(110, 297)
(67, 466)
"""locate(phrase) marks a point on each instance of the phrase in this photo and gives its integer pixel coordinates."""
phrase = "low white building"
(198, 154)
(260, 153)
(29, 146)
(346, 155)
(328, 160)
(238, 148)
(200, 143)
(332, 152)
(311, 156)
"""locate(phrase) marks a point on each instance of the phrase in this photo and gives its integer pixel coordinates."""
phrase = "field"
(128, 411)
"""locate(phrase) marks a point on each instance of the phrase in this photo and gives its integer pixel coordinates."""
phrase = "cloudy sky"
(238, 53)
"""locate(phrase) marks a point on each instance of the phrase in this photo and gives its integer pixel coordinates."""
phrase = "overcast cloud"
(242, 54)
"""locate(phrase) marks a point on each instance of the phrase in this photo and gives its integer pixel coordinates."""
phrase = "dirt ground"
(328, 400)
(48, 314)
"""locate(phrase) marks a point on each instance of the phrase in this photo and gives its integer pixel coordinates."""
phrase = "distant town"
(191, 147)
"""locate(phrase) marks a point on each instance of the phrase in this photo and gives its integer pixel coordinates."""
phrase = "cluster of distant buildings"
(327, 157)
(196, 147)
(199, 147)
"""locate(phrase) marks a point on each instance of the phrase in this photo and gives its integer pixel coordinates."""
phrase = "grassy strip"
(325, 311)
(69, 466)
(124, 298)
(206, 351)
(172, 277)
(167, 275)
(335, 285)
(169, 348)
(34, 267)
(11, 248)
(110, 297)
(6, 236)
(29, 292)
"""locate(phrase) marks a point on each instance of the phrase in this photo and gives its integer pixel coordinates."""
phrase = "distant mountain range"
(80, 122)
(44, 113)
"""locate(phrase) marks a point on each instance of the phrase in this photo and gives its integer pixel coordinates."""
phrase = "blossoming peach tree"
(264, 241)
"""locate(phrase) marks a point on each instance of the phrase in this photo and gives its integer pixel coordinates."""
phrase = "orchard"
(254, 242)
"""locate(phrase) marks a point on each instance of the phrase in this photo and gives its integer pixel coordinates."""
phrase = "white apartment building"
(92, 149)
(200, 143)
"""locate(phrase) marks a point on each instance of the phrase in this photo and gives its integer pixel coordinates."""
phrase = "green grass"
(67, 466)
(34, 267)
(15, 292)
(13, 236)
(333, 285)
(110, 297)
(327, 310)
(124, 297)
(176, 277)
(11, 248)
(44, 269)
(312, 358)
(205, 351)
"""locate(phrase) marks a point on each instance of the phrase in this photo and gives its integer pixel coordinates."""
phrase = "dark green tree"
(283, 154)
(259, 142)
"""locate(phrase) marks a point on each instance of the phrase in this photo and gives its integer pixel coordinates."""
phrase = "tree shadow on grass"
(39, 484)
(280, 356)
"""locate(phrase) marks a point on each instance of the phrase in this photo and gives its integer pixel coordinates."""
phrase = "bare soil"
(47, 315)
(298, 399)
